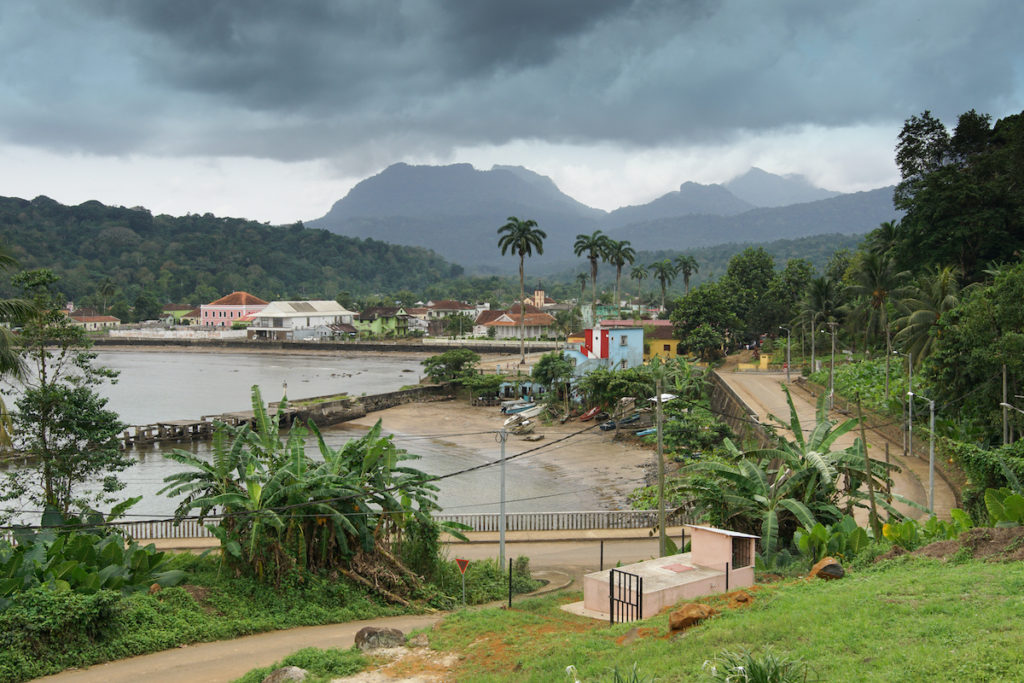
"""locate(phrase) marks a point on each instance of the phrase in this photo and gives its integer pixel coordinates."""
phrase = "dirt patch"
(993, 544)
(201, 594)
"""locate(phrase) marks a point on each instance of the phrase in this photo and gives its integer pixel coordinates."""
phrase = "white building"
(293, 320)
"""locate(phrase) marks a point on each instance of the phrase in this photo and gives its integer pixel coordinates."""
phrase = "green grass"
(322, 665)
(908, 619)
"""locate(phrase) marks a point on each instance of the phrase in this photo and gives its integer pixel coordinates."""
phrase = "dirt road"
(763, 394)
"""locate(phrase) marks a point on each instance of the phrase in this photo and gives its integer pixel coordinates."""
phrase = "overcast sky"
(272, 110)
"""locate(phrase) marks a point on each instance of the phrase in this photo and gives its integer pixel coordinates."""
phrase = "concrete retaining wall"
(731, 409)
(407, 346)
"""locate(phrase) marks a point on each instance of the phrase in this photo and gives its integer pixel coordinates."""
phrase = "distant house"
(382, 321)
(94, 323)
(443, 309)
(660, 342)
(225, 311)
(174, 313)
(611, 349)
(293, 320)
(659, 336)
(192, 317)
(506, 323)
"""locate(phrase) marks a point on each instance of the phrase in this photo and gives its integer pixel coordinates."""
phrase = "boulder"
(375, 638)
(688, 615)
(827, 568)
(286, 673)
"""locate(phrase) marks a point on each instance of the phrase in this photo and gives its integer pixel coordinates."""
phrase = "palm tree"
(877, 283)
(820, 303)
(106, 289)
(596, 248)
(934, 295)
(582, 279)
(619, 254)
(665, 272)
(687, 265)
(521, 238)
(882, 240)
(639, 273)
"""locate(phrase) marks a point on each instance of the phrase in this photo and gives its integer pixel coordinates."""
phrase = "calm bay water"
(155, 386)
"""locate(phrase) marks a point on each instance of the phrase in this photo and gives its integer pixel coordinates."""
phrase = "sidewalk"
(474, 537)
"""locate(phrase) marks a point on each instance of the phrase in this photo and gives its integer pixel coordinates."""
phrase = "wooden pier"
(187, 430)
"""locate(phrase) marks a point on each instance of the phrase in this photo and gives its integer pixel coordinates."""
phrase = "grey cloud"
(360, 80)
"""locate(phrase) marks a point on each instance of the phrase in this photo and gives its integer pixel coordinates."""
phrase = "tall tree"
(878, 284)
(12, 311)
(62, 422)
(664, 272)
(961, 192)
(595, 246)
(687, 265)
(521, 238)
(639, 273)
(582, 278)
(934, 294)
(619, 253)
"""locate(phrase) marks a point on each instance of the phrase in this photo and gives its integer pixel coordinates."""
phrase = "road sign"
(462, 565)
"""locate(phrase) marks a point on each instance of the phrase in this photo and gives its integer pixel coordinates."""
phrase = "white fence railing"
(481, 521)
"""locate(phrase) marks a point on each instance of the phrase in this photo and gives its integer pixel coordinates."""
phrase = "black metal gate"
(625, 596)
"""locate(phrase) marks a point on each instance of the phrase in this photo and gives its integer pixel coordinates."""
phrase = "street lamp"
(931, 448)
(908, 445)
(787, 351)
(832, 367)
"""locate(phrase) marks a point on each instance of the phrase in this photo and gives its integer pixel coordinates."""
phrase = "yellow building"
(661, 342)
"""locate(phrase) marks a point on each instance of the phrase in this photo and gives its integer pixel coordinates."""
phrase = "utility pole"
(832, 369)
(662, 536)
(787, 351)
(503, 436)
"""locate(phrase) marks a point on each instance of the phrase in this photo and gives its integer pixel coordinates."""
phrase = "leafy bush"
(746, 667)
(911, 534)
(842, 540)
(80, 562)
(321, 664)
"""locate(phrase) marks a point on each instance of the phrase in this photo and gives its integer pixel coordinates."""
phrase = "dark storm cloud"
(295, 80)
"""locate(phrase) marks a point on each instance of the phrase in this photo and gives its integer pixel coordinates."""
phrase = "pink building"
(227, 310)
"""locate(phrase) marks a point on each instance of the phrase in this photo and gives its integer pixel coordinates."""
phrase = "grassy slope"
(906, 619)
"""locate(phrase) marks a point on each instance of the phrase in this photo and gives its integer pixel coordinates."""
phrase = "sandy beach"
(577, 451)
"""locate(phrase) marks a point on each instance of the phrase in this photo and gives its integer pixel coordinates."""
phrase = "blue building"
(614, 349)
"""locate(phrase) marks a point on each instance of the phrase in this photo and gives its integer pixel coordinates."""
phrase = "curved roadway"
(762, 392)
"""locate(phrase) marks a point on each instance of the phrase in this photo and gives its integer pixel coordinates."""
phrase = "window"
(667, 347)
(625, 341)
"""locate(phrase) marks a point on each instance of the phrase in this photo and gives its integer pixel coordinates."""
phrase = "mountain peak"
(761, 188)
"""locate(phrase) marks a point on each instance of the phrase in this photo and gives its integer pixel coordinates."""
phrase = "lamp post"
(908, 445)
(931, 448)
(787, 351)
(1007, 406)
(832, 367)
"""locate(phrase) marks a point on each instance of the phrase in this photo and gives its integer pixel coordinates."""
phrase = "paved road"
(763, 394)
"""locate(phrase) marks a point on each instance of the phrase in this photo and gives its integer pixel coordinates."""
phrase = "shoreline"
(588, 457)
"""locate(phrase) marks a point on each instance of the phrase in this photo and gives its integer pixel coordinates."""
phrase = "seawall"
(731, 409)
(478, 346)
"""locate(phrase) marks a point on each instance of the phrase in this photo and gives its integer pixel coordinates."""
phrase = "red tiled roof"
(532, 319)
(635, 323)
(485, 317)
(449, 305)
(530, 308)
(239, 299)
(660, 332)
(95, 318)
(177, 307)
(194, 313)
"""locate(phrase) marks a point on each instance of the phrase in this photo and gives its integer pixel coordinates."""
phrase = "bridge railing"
(479, 521)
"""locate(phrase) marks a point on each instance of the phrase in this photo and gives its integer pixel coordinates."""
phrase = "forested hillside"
(196, 259)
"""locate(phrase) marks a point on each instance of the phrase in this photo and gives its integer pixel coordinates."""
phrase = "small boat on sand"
(533, 437)
(589, 415)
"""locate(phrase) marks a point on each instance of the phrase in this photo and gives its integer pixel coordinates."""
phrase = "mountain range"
(456, 211)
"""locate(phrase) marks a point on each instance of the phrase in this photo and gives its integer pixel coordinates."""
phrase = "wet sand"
(576, 450)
